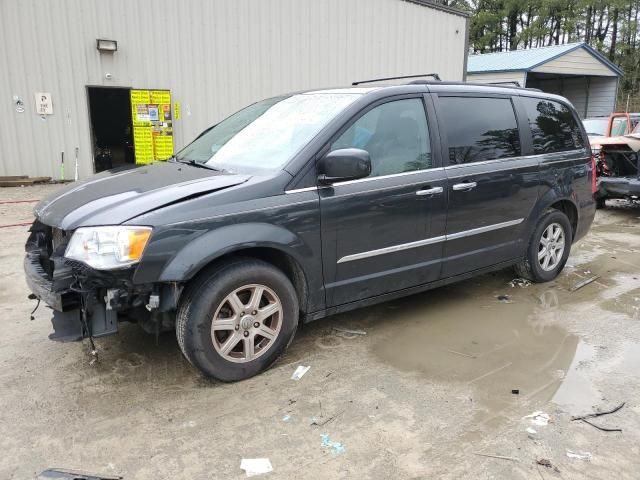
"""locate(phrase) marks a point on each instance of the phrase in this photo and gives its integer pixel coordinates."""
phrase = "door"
(384, 232)
(491, 187)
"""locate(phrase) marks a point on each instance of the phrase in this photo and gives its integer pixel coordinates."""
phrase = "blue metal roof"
(527, 60)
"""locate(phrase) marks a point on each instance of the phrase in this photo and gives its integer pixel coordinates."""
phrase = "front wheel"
(236, 321)
(548, 248)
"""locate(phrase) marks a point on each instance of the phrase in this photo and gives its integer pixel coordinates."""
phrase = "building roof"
(527, 60)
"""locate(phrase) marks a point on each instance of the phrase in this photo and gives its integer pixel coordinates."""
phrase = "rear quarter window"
(479, 128)
(553, 126)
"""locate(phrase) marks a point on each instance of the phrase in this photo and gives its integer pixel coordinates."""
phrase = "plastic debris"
(286, 418)
(580, 455)
(538, 418)
(515, 391)
(504, 299)
(583, 283)
(545, 462)
(519, 282)
(299, 372)
(350, 332)
(531, 431)
(255, 466)
(337, 447)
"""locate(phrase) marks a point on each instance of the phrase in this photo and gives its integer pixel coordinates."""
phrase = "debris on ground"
(320, 423)
(299, 372)
(255, 466)
(338, 448)
(519, 282)
(538, 418)
(515, 391)
(501, 457)
(57, 474)
(349, 332)
(584, 283)
(504, 299)
(545, 462)
(531, 431)
(580, 455)
(584, 418)
(286, 418)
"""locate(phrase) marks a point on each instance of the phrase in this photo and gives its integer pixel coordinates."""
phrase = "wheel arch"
(277, 246)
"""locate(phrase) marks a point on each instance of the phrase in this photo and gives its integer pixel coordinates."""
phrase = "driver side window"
(396, 136)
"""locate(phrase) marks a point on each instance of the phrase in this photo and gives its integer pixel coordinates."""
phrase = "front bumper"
(618, 187)
(41, 285)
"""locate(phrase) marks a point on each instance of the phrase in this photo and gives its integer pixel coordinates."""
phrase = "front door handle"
(429, 191)
(465, 186)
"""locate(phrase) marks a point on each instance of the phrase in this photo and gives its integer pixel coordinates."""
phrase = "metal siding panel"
(214, 56)
(577, 62)
(497, 77)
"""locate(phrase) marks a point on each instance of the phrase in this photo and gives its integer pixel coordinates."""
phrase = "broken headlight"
(108, 248)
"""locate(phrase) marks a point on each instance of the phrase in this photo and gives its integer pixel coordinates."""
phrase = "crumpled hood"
(113, 197)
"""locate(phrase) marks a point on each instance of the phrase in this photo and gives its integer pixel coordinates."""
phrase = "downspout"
(466, 49)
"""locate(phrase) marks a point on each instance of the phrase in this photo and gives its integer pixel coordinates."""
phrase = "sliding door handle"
(429, 191)
(464, 186)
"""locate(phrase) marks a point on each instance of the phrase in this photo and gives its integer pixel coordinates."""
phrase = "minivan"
(313, 203)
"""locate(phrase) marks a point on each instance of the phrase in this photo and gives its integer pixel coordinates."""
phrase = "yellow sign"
(176, 110)
(152, 125)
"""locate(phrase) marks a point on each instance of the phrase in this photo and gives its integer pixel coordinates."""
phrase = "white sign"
(44, 106)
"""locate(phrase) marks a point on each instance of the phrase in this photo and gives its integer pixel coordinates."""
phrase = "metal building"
(126, 81)
(574, 70)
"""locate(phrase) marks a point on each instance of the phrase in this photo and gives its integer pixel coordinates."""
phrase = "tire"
(531, 267)
(601, 203)
(229, 294)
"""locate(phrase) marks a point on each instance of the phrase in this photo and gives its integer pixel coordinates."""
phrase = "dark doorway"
(111, 132)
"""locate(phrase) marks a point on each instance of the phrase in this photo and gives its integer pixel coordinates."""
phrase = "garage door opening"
(111, 132)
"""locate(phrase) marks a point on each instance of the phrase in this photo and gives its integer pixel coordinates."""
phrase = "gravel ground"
(438, 379)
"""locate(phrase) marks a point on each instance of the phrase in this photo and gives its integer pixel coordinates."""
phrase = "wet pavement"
(438, 378)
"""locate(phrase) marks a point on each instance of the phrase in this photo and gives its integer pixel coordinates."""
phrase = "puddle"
(490, 346)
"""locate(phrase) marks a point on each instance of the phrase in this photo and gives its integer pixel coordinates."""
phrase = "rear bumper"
(617, 187)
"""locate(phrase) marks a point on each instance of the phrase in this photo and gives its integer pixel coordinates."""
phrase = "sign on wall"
(44, 106)
(152, 125)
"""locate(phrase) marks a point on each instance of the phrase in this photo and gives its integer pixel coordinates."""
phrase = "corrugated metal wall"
(592, 96)
(214, 55)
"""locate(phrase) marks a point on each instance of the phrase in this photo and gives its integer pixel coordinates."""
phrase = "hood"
(113, 197)
(632, 141)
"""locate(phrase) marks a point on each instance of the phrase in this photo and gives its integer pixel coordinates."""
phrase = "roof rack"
(434, 75)
(511, 82)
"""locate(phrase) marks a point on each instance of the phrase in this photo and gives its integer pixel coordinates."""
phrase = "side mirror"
(344, 164)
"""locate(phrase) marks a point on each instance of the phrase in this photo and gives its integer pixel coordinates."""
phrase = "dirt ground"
(438, 379)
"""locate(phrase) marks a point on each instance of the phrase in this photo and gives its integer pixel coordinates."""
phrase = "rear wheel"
(237, 320)
(548, 248)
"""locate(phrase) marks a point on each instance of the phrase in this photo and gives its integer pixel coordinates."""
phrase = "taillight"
(594, 187)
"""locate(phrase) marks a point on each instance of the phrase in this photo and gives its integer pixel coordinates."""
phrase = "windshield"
(596, 126)
(264, 136)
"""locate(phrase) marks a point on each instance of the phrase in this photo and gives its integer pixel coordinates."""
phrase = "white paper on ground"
(538, 418)
(255, 466)
(300, 371)
(579, 454)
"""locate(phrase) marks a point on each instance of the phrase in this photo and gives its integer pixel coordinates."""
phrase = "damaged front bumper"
(619, 187)
(86, 302)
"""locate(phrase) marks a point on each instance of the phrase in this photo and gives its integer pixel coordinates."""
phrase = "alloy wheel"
(246, 323)
(551, 247)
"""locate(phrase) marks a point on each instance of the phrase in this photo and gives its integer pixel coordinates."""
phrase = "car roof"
(435, 86)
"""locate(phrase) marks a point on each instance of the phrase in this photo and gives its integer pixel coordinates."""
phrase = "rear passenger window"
(553, 126)
(479, 128)
(396, 136)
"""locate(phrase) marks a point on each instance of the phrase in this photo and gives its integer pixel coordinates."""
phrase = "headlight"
(108, 248)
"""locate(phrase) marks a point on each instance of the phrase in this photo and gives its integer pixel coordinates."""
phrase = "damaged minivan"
(310, 204)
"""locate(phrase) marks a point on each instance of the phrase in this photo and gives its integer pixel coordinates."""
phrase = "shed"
(574, 70)
(134, 81)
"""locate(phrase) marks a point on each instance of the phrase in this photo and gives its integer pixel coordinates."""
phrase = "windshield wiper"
(193, 163)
